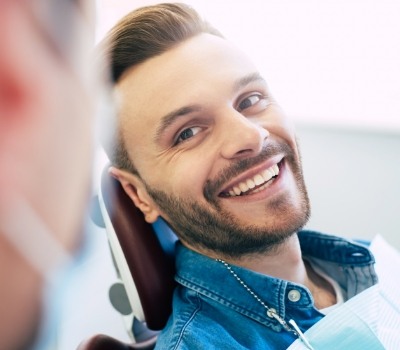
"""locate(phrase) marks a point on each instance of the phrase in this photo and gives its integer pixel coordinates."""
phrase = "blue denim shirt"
(212, 310)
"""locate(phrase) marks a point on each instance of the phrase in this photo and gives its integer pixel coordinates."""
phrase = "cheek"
(279, 125)
(184, 178)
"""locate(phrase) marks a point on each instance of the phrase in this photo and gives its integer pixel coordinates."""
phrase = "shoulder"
(185, 310)
(192, 326)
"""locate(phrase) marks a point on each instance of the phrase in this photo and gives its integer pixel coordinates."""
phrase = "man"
(202, 143)
(46, 115)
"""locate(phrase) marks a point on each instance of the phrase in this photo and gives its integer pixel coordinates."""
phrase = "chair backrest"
(104, 342)
(144, 262)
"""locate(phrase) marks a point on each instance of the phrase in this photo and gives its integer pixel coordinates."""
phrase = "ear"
(135, 189)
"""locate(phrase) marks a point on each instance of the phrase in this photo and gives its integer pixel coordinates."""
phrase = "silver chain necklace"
(271, 312)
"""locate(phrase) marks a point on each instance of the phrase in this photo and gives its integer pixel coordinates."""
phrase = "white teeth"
(243, 187)
(260, 188)
(250, 183)
(268, 174)
(237, 190)
(257, 180)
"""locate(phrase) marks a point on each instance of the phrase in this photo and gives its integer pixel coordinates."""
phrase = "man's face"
(215, 153)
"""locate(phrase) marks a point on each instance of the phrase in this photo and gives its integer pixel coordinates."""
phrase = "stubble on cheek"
(211, 226)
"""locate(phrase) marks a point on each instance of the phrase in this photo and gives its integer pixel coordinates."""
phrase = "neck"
(285, 262)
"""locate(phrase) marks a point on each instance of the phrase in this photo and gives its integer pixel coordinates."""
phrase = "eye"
(251, 101)
(187, 134)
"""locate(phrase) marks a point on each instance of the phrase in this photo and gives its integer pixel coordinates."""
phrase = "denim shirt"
(212, 310)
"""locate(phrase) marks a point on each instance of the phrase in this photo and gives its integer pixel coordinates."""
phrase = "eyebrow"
(171, 117)
(246, 80)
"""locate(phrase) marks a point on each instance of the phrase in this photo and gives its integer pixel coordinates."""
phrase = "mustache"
(212, 187)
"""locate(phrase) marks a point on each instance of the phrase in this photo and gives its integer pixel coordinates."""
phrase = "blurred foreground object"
(46, 146)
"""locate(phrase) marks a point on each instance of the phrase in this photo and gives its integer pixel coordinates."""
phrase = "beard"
(213, 228)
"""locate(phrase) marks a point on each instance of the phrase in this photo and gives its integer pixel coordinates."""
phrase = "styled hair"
(142, 34)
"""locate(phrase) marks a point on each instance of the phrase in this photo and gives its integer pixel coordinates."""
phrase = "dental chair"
(143, 256)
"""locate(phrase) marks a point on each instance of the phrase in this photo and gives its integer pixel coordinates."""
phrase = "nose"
(242, 137)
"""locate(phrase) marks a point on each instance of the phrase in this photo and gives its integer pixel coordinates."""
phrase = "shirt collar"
(334, 249)
(212, 279)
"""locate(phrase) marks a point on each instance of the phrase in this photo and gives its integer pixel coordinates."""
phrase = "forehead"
(181, 71)
(197, 71)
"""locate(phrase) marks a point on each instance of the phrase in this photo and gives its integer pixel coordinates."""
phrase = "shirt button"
(271, 312)
(294, 295)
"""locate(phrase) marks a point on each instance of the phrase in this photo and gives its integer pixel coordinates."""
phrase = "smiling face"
(217, 157)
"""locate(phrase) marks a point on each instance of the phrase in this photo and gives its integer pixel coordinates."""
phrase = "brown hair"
(142, 34)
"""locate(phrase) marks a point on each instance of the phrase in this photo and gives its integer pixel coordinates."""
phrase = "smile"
(253, 184)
